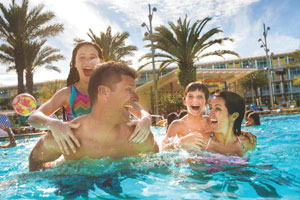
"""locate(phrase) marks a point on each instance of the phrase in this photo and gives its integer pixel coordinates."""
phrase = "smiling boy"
(189, 128)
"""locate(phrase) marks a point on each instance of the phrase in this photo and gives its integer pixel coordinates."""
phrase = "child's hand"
(192, 141)
(63, 135)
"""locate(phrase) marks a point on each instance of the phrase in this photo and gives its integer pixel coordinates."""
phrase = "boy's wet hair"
(197, 86)
(73, 76)
(108, 74)
(234, 103)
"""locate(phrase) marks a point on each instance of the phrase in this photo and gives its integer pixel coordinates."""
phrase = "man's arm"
(46, 150)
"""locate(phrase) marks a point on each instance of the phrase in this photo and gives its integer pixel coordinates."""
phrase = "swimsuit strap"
(72, 99)
(241, 143)
(211, 136)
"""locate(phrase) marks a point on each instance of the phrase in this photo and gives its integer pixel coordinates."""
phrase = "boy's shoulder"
(179, 122)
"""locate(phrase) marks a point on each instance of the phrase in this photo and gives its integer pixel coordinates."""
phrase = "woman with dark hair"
(75, 101)
(252, 118)
(226, 115)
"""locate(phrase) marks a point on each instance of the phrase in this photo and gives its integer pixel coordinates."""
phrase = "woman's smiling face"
(219, 114)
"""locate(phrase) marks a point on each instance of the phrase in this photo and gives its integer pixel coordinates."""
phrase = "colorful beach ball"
(24, 104)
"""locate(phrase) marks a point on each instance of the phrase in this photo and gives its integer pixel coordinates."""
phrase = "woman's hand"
(250, 136)
(192, 141)
(63, 135)
(141, 131)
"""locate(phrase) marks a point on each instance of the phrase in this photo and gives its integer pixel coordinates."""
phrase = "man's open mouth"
(195, 107)
(213, 121)
(127, 106)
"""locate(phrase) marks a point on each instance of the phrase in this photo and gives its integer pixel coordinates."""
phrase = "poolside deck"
(23, 136)
(280, 111)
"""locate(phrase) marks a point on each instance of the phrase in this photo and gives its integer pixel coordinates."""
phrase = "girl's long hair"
(73, 76)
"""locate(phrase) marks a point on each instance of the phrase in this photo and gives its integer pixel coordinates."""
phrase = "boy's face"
(195, 102)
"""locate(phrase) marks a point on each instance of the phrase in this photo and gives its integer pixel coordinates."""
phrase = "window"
(288, 60)
(220, 66)
(294, 72)
(261, 63)
(245, 64)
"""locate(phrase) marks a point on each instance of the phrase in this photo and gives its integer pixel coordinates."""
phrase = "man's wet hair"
(197, 86)
(108, 74)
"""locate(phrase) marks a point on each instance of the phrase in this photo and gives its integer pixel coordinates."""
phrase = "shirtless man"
(189, 128)
(104, 131)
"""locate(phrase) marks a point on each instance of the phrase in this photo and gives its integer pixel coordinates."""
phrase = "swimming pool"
(273, 172)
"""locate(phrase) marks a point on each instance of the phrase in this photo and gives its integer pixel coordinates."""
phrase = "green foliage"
(259, 80)
(37, 55)
(296, 80)
(49, 89)
(169, 103)
(18, 26)
(5, 104)
(183, 44)
(296, 56)
(186, 76)
(113, 46)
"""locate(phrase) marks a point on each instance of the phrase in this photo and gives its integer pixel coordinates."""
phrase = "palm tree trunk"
(20, 63)
(283, 89)
(256, 93)
(29, 82)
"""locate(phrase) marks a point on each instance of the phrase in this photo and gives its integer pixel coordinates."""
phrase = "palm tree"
(258, 81)
(39, 56)
(18, 25)
(36, 56)
(184, 44)
(113, 46)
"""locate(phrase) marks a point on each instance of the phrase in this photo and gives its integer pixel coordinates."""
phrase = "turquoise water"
(273, 172)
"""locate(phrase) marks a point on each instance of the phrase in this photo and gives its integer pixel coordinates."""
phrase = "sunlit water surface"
(273, 171)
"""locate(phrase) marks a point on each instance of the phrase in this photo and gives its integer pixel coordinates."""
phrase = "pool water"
(273, 171)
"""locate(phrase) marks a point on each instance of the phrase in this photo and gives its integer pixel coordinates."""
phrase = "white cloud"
(232, 16)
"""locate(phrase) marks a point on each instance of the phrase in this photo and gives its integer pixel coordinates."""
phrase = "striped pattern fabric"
(5, 121)
(79, 104)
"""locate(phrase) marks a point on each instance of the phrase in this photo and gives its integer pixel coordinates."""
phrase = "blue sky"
(239, 19)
